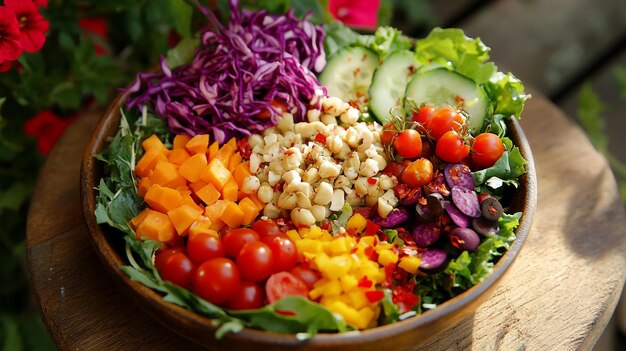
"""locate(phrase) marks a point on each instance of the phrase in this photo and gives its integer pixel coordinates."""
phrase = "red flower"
(5, 66)
(47, 128)
(33, 27)
(363, 14)
(96, 26)
(42, 3)
(9, 35)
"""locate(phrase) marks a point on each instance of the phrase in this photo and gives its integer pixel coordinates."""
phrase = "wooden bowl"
(398, 336)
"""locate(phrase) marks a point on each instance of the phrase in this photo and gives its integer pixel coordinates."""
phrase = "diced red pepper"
(365, 282)
(371, 253)
(244, 148)
(374, 296)
(371, 228)
(320, 138)
(372, 181)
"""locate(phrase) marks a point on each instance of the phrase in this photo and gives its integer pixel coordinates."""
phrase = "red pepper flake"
(244, 148)
(365, 282)
(374, 296)
(352, 232)
(371, 253)
(320, 138)
(354, 250)
(372, 180)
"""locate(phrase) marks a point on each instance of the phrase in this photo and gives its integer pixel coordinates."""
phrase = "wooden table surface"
(558, 295)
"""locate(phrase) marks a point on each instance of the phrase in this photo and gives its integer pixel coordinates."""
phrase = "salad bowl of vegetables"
(299, 186)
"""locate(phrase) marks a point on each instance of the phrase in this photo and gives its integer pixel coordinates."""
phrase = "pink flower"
(355, 13)
(33, 27)
(47, 128)
(10, 48)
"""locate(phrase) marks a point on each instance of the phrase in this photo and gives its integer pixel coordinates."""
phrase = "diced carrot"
(180, 140)
(235, 160)
(144, 184)
(195, 186)
(215, 213)
(186, 199)
(178, 156)
(240, 173)
(230, 190)
(233, 215)
(202, 225)
(224, 154)
(157, 226)
(260, 204)
(153, 142)
(233, 143)
(147, 162)
(192, 168)
(250, 210)
(162, 198)
(166, 174)
(136, 221)
(213, 149)
(198, 144)
(208, 194)
(215, 172)
(183, 216)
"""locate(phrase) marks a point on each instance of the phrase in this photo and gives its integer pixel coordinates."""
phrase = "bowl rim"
(89, 169)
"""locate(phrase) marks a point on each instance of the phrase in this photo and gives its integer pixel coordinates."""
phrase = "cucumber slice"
(389, 83)
(348, 75)
(443, 87)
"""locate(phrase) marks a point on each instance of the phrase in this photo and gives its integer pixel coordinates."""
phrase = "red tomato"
(444, 120)
(216, 280)
(284, 284)
(396, 168)
(389, 131)
(278, 105)
(174, 266)
(266, 227)
(418, 173)
(451, 147)
(255, 261)
(486, 150)
(307, 275)
(408, 143)
(424, 114)
(284, 252)
(249, 296)
(237, 238)
(428, 150)
(202, 247)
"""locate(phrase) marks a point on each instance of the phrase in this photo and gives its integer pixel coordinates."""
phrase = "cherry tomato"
(284, 284)
(389, 131)
(217, 280)
(278, 105)
(418, 173)
(255, 261)
(307, 275)
(396, 168)
(173, 265)
(486, 150)
(201, 247)
(266, 227)
(284, 252)
(408, 143)
(249, 296)
(428, 150)
(451, 147)
(444, 120)
(424, 114)
(237, 238)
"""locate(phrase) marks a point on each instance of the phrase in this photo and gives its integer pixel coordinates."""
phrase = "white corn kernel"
(371, 200)
(285, 123)
(255, 140)
(350, 116)
(270, 138)
(351, 173)
(386, 182)
(361, 186)
(328, 119)
(334, 143)
(271, 210)
(276, 167)
(366, 137)
(250, 184)
(273, 178)
(303, 200)
(323, 194)
(341, 181)
(311, 175)
(382, 162)
(287, 201)
(354, 199)
(313, 115)
(292, 158)
(302, 187)
(390, 197)
(328, 169)
(308, 130)
(369, 168)
(384, 208)
(292, 177)
(334, 105)
(352, 137)
(302, 217)
(265, 193)
(319, 212)
(338, 200)
(255, 163)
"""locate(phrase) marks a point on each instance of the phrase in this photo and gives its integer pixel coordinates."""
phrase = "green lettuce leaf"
(509, 167)
(384, 41)
(453, 49)
(507, 94)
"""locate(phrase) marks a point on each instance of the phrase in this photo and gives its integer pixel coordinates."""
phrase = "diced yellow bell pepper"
(356, 223)
(386, 257)
(410, 264)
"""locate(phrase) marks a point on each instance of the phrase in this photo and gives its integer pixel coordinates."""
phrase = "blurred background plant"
(58, 57)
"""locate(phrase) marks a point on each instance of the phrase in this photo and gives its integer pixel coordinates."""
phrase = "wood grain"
(558, 294)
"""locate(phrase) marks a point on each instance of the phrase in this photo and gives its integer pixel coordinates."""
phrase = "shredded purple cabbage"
(236, 73)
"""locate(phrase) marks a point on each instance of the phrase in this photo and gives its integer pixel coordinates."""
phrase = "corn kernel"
(358, 298)
(348, 282)
(337, 267)
(309, 246)
(366, 315)
(321, 261)
(357, 223)
(349, 314)
(386, 257)
(339, 246)
(370, 240)
(332, 288)
(293, 235)
(410, 264)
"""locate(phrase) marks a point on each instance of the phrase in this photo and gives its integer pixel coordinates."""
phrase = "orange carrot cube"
(213, 149)
(235, 160)
(153, 142)
(208, 194)
(157, 226)
(166, 174)
(162, 198)
(183, 216)
(233, 215)
(224, 154)
(198, 144)
(192, 168)
(230, 190)
(147, 162)
(240, 173)
(250, 210)
(136, 221)
(178, 156)
(215, 172)
(180, 140)
(202, 225)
